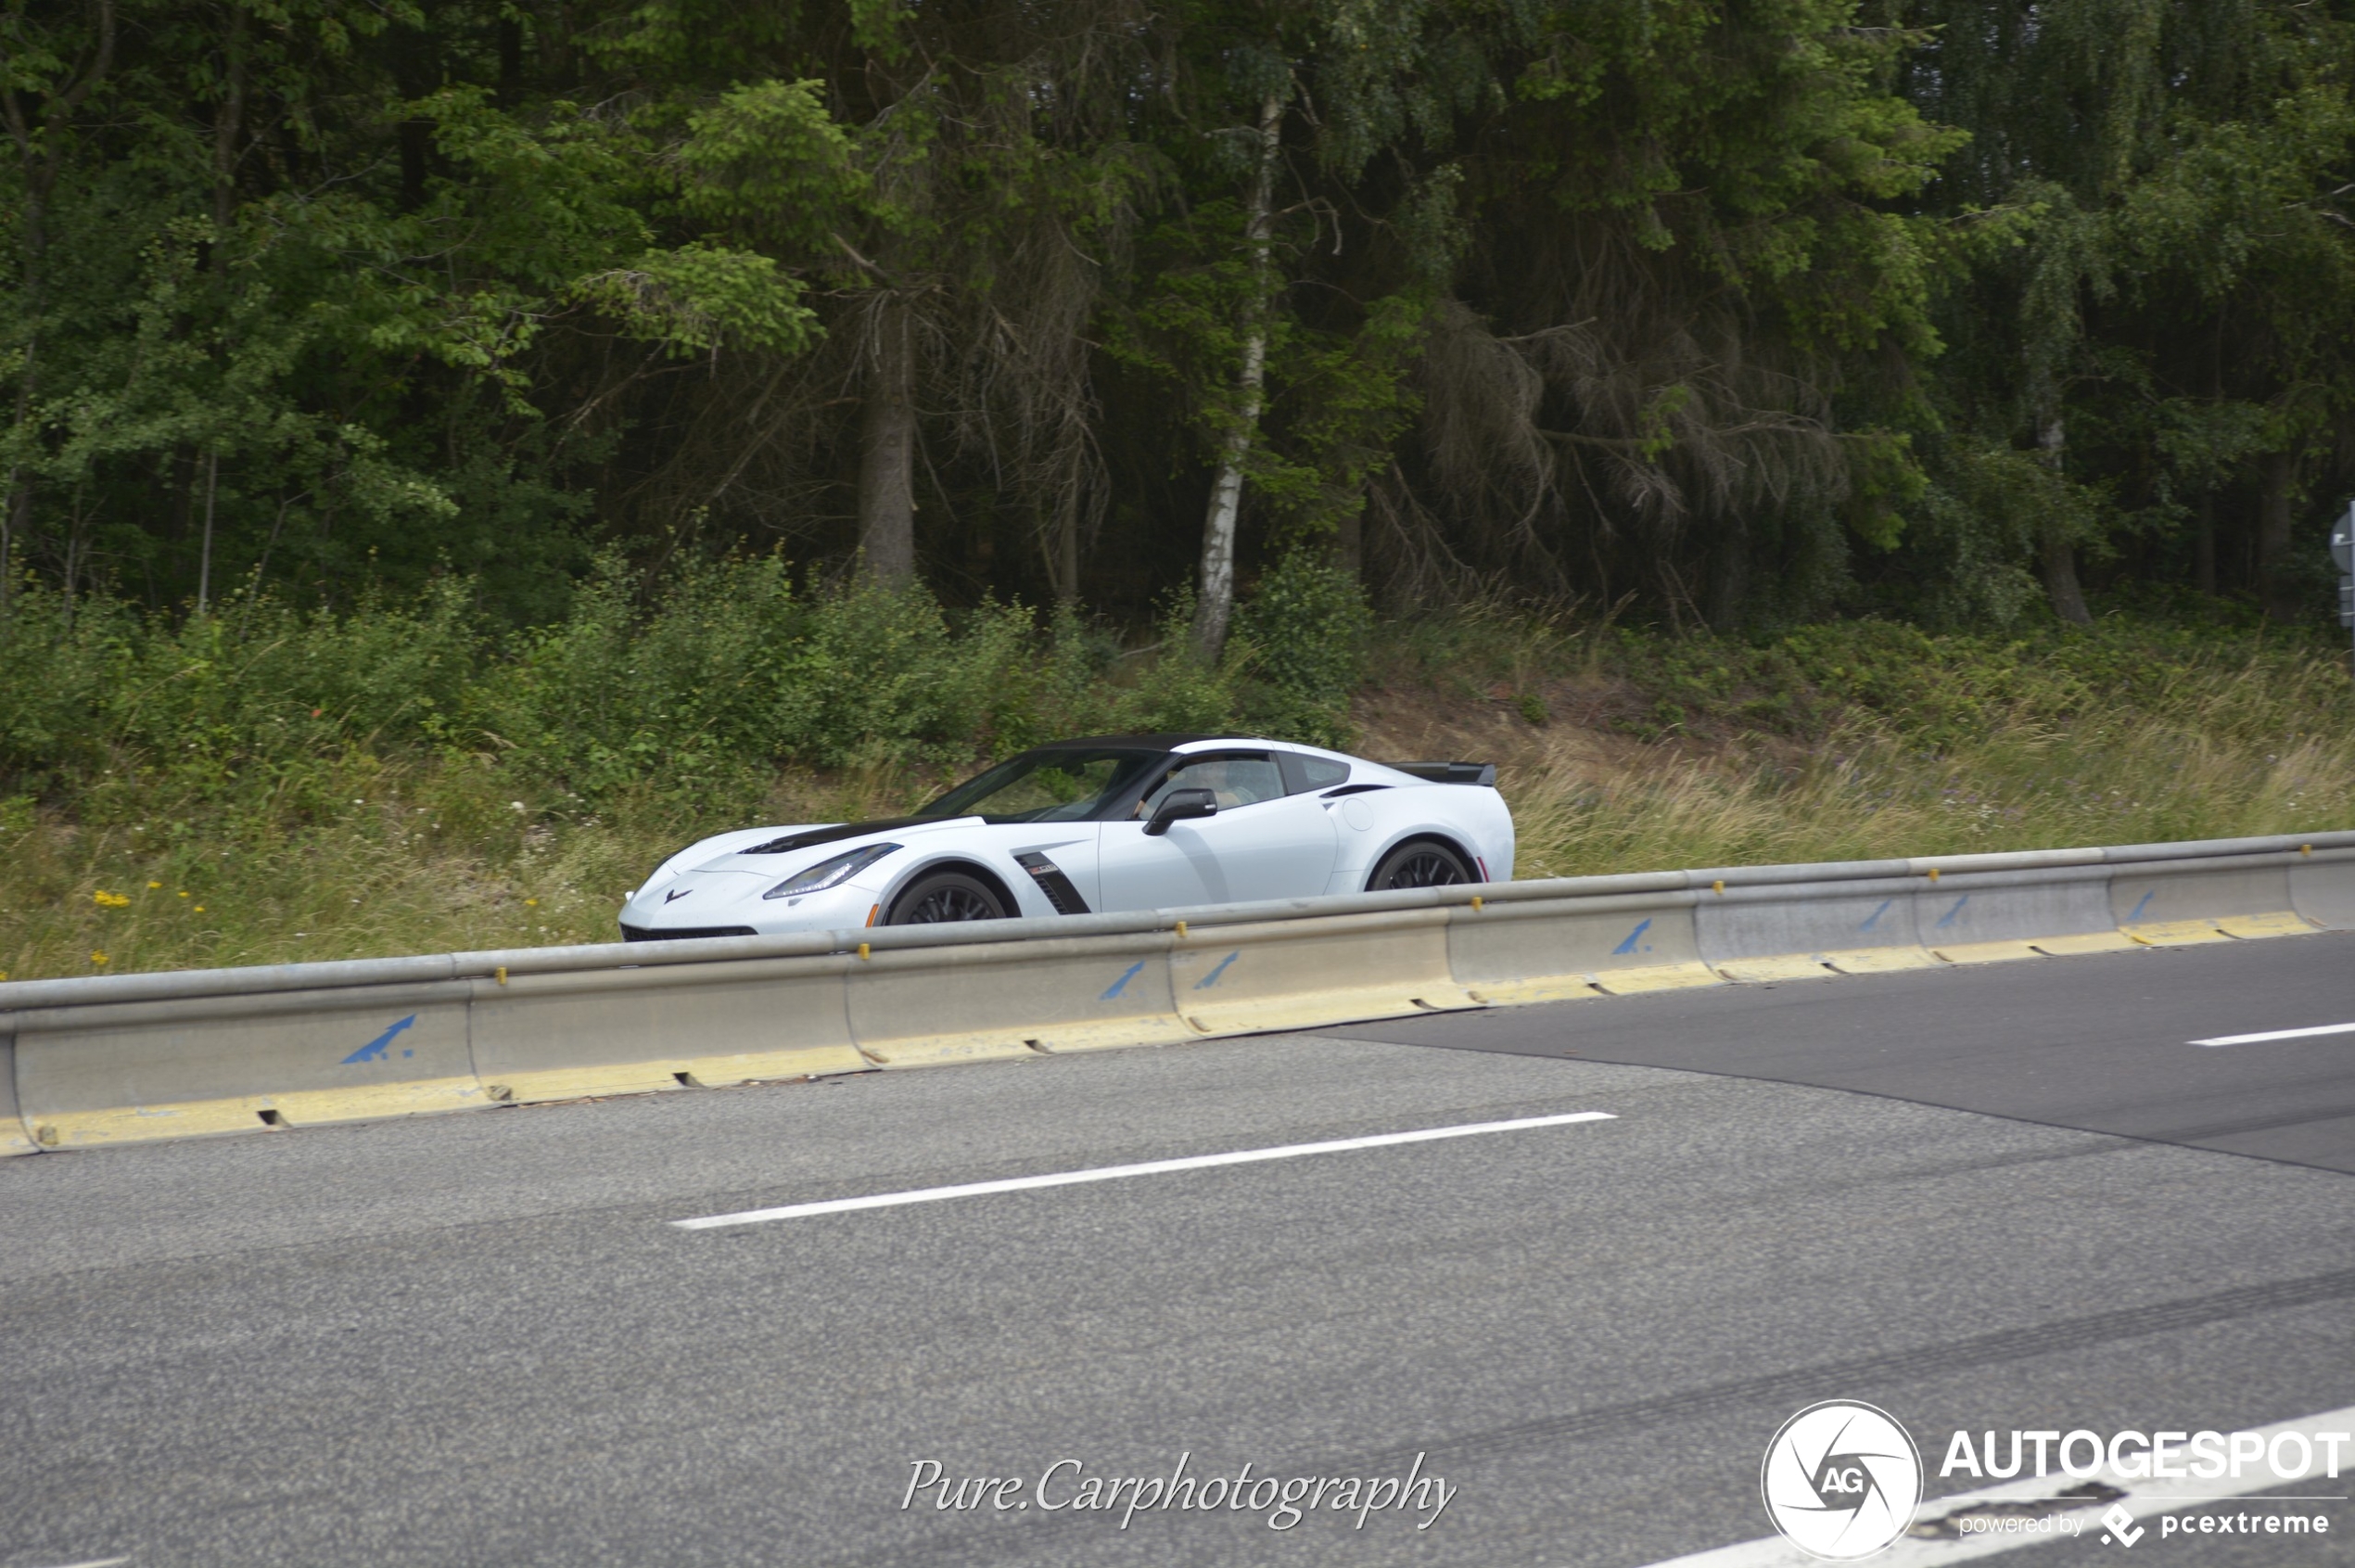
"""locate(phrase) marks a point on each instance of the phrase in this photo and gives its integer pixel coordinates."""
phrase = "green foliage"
(1961, 690)
(731, 672)
(1754, 310)
(1303, 634)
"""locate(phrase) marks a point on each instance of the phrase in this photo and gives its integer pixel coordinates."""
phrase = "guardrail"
(137, 1058)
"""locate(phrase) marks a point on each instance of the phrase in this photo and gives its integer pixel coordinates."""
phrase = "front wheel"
(946, 895)
(1422, 863)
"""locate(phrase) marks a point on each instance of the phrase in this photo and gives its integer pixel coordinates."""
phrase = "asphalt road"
(2011, 1197)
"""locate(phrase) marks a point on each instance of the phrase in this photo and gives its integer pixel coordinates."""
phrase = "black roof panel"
(1159, 742)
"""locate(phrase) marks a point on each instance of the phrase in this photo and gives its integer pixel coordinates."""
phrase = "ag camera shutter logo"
(1842, 1480)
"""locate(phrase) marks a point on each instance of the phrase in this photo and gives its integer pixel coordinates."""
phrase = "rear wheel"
(1421, 863)
(944, 895)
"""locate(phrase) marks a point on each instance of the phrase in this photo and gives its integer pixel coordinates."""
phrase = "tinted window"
(1233, 780)
(1063, 786)
(1316, 772)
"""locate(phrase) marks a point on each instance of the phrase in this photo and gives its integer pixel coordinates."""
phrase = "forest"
(1720, 314)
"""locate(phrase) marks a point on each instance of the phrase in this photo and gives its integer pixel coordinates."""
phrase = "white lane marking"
(1148, 1168)
(2280, 1034)
(2143, 1499)
(102, 1563)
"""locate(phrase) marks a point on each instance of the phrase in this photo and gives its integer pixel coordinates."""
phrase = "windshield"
(1068, 785)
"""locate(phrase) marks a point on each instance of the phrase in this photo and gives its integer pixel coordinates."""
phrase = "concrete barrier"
(1299, 974)
(2168, 903)
(1981, 917)
(632, 1031)
(15, 1137)
(917, 1006)
(1550, 950)
(1810, 930)
(2322, 887)
(134, 1072)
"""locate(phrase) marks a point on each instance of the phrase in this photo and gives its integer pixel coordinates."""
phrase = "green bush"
(1302, 635)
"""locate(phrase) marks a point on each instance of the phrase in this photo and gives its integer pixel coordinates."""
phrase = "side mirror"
(1181, 804)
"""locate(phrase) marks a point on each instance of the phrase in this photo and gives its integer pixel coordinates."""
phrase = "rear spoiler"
(1450, 772)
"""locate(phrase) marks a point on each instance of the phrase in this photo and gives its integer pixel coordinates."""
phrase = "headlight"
(830, 874)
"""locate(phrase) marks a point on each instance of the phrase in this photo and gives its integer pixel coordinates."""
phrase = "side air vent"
(1052, 882)
(1351, 789)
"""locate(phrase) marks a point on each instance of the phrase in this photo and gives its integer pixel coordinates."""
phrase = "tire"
(945, 896)
(1420, 863)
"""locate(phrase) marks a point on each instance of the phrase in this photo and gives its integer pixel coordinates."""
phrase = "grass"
(1867, 740)
(1620, 751)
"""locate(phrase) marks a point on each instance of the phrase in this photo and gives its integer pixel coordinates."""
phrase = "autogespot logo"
(1842, 1480)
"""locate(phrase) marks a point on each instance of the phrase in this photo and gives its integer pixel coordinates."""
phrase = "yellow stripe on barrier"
(2085, 942)
(1881, 961)
(1656, 977)
(1553, 988)
(2278, 923)
(199, 1118)
(1986, 953)
(2175, 933)
(1789, 966)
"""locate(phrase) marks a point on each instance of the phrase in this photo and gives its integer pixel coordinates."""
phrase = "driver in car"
(1211, 776)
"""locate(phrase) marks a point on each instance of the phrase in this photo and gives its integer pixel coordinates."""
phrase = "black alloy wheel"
(1421, 863)
(946, 895)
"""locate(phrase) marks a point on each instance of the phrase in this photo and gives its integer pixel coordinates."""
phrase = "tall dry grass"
(1868, 791)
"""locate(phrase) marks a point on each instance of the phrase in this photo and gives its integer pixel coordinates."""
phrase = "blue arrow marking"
(374, 1049)
(2139, 907)
(1122, 984)
(1948, 918)
(1874, 918)
(1212, 978)
(1629, 946)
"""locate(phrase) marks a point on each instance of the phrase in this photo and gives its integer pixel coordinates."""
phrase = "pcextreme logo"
(1842, 1480)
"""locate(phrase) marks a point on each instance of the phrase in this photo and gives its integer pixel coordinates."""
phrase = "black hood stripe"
(816, 836)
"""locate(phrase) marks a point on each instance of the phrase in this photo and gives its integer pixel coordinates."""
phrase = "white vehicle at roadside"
(1114, 822)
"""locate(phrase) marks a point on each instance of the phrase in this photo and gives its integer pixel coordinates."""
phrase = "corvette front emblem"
(673, 897)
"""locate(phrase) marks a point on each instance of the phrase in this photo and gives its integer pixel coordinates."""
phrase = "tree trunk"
(1215, 607)
(1349, 542)
(12, 510)
(2204, 546)
(1729, 577)
(2276, 584)
(1062, 557)
(204, 559)
(887, 448)
(2056, 553)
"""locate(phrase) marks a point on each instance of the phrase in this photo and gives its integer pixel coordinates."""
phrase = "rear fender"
(1467, 817)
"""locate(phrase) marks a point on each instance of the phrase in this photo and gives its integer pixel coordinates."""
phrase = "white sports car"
(1111, 823)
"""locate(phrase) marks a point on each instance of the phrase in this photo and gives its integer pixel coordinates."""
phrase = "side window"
(1233, 780)
(1305, 774)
